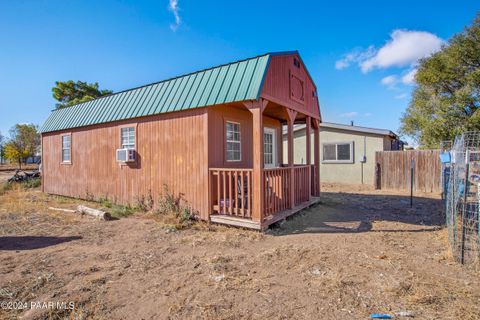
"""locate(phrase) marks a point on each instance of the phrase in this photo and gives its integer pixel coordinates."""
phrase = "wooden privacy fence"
(393, 170)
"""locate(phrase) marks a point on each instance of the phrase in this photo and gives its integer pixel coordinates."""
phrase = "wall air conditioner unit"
(125, 155)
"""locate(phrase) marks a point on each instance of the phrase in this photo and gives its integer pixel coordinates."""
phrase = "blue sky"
(361, 54)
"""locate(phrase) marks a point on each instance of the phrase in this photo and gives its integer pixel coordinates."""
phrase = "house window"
(269, 147)
(341, 152)
(232, 131)
(296, 63)
(128, 137)
(66, 148)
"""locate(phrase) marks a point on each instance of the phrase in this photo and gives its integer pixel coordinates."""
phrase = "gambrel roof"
(237, 81)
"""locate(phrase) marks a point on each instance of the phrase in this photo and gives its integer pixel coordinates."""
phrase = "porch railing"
(231, 191)
(301, 180)
(276, 189)
(314, 179)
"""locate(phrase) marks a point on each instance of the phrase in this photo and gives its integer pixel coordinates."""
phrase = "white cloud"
(389, 80)
(404, 48)
(401, 96)
(352, 114)
(173, 7)
(367, 114)
(341, 64)
(356, 56)
(409, 77)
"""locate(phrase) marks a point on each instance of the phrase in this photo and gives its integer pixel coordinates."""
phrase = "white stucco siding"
(353, 173)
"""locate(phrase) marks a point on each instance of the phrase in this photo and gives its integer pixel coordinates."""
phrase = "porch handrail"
(231, 169)
(302, 184)
(277, 186)
(231, 191)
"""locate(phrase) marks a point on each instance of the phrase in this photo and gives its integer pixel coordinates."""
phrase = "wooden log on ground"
(99, 214)
(61, 209)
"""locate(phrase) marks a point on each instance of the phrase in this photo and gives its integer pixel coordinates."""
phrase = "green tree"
(68, 93)
(24, 142)
(446, 99)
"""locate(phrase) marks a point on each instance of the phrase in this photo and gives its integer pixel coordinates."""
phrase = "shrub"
(105, 202)
(175, 206)
(119, 211)
(145, 203)
(115, 210)
(32, 183)
(168, 202)
(186, 215)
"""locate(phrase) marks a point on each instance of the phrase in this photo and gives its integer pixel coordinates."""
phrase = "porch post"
(309, 154)
(256, 108)
(316, 155)
(291, 115)
(308, 134)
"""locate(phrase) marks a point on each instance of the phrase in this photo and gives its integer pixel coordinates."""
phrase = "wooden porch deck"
(271, 219)
(270, 190)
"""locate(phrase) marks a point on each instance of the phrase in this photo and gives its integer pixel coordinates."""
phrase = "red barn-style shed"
(214, 135)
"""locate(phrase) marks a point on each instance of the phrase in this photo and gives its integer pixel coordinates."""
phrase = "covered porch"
(271, 189)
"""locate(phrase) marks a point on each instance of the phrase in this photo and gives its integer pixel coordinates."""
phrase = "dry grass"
(208, 271)
(13, 167)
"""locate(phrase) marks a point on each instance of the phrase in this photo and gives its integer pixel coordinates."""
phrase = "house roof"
(338, 126)
(236, 81)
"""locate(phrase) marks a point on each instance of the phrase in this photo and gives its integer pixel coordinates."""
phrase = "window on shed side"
(338, 152)
(128, 137)
(268, 149)
(66, 148)
(234, 150)
(329, 152)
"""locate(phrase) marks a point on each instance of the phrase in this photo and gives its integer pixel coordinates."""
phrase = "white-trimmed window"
(234, 149)
(66, 148)
(338, 152)
(128, 137)
(269, 148)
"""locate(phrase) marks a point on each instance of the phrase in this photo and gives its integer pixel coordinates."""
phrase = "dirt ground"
(5, 175)
(359, 252)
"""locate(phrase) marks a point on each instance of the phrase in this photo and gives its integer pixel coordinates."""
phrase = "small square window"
(296, 63)
(343, 151)
(329, 152)
(128, 137)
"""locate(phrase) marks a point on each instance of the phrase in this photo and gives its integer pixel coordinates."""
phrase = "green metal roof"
(236, 81)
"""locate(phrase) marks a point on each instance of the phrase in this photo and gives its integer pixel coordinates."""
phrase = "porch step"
(247, 223)
(271, 219)
(235, 221)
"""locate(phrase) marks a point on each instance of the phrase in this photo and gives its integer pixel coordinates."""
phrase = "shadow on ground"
(341, 212)
(32, 242)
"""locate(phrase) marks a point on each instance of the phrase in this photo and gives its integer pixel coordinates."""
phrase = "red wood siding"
(171, 149)
(217, 116)
(282, 85)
